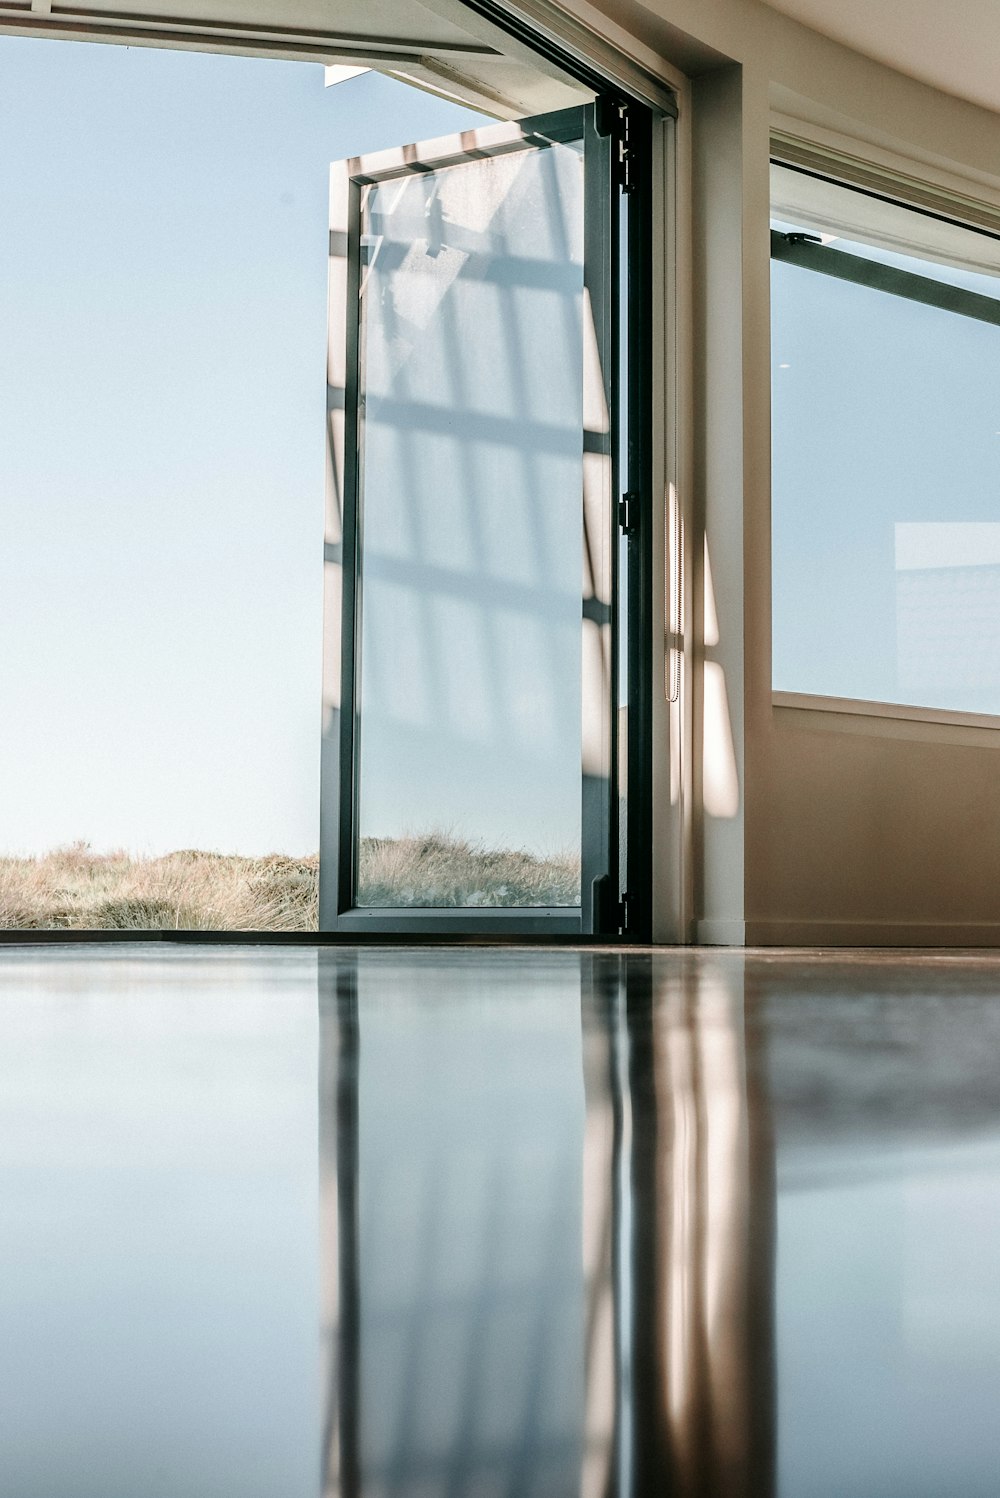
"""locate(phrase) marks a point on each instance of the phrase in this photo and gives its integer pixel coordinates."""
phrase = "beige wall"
(838, 827)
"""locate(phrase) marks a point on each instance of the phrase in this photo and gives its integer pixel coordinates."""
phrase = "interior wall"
(864, 830)
(717, 502)
(841, 828)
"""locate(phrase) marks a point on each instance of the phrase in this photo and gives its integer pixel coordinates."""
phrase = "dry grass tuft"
(74, 888)
(438, 870)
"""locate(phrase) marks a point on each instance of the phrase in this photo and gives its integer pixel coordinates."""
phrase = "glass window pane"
(469, 778)
(886, 475)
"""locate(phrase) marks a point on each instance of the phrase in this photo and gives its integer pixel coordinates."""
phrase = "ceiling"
(954, 46)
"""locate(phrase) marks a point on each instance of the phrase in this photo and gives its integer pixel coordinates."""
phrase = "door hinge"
(628, 513)
(623, 915)
(616, 119)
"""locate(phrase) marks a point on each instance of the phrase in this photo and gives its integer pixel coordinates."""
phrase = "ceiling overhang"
(953, 48)
(440, 45)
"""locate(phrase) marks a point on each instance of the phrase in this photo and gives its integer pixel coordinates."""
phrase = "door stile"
(639, 481)
(339, 549)
(599, 644)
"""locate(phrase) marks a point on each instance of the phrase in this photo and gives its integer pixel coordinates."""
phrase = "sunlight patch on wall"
(720, 782)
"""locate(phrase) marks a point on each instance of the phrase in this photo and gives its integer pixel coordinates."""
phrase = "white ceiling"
(953, 44)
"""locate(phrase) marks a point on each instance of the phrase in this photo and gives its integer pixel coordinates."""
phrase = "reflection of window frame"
(808, 252)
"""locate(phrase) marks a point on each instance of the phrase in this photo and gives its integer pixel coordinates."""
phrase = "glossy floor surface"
(279, 1224)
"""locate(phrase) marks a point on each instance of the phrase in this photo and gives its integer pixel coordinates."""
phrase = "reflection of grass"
(438, 870)
(188, 891)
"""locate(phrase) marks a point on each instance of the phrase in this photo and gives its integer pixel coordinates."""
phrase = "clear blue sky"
(163, 241)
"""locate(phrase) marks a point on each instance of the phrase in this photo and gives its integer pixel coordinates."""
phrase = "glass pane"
(469, 778)
(886, 480)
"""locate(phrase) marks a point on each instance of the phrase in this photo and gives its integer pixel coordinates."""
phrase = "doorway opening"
(164, 596)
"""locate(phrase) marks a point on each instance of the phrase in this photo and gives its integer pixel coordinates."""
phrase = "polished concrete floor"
(279, 1224)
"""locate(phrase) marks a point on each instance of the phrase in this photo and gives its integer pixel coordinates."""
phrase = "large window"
(886, 475)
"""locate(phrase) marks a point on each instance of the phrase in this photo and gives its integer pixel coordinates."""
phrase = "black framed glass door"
(469, 777)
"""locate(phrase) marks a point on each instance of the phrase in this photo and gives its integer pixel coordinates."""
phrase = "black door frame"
(618, 166)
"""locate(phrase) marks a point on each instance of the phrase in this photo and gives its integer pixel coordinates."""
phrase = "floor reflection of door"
(467, 734)
(547, 1197)
(451, 1195)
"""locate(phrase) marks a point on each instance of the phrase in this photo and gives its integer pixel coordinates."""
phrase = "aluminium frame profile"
(807, 254)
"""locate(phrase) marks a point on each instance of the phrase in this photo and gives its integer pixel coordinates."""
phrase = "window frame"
(809, 253)
(598, 913)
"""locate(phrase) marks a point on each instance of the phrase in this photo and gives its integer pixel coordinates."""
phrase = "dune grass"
(77, 889)
(439, 870)
(74, 888)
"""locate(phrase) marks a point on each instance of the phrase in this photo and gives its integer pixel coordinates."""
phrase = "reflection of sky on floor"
(158, 1272)
(163, 264)
(743, 1210)
(887, 1129)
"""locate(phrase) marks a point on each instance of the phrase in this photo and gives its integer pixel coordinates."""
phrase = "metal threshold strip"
(809, 254)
